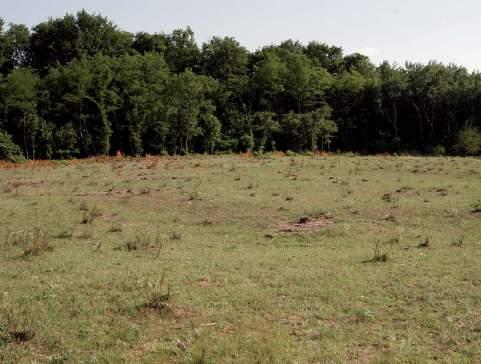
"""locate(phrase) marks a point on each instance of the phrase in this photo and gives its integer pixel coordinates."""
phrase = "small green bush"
(476, 207)
(469, 141)
(9, 150)
(379, 255)
(438, 150)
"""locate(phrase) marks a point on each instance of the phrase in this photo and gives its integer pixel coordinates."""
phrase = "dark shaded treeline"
(79, 86)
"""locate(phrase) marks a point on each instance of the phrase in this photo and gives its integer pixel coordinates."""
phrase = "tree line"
(79, 86)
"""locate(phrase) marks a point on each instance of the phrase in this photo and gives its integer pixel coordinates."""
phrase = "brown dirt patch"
(172, 310)
(476, 212)
(306, 224)
(117, 193)
(204, 282)
(22, 336)
(360, 356)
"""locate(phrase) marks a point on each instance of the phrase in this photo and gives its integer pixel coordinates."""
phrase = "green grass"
(181, 260)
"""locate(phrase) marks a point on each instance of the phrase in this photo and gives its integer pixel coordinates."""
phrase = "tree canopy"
(78, 86)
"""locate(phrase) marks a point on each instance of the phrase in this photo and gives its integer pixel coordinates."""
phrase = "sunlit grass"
(183, 260)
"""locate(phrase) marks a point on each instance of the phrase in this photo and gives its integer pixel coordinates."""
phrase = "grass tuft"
(115, 227)
(426, 244)
(36, 243)
(158, 297)
(90, 216)
(458, 243)
(379, 256)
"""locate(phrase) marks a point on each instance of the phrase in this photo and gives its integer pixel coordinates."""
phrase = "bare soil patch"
(307, 224)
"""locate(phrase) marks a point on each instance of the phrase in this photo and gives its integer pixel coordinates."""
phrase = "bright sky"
(414, 30)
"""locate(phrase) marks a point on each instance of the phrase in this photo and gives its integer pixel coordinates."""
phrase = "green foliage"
(268, 79)
(78, 86)
(19, 103)
(139, 104)
(304, 132)
(469, 141)
(438, 150)
(291, 126)
(61, 40)
(146, 43)
(189, 96)
(8, 149)
(210, 131)
(66, 139)
(320, 127)
(181, 50)
(325, 56)
(305, 83)
(224, 58)
(264, 125)
(14, 47)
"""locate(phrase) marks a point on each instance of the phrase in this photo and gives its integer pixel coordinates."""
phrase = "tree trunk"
(25, 136)
(395, 119)
(420, 121)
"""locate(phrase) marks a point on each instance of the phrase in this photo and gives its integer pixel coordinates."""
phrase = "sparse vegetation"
(149, 153)
(36, 242)
(141, 240)
(476, 207)
(175, 235)
(88, 217)
(84, 206)
(115, 227)
(249, 279)
(158, 296)
(379, 255)
(425, 244)
(459, 242)
(86, 234)
(64, 234)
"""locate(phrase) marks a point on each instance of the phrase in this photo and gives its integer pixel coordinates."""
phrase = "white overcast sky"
(414, 30)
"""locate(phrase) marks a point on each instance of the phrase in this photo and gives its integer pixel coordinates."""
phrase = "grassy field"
(236, 259)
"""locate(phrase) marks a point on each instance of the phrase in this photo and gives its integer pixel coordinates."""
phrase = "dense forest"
(79, 86)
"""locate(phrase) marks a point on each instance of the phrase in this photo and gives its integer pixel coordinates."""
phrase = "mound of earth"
(306, 224)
